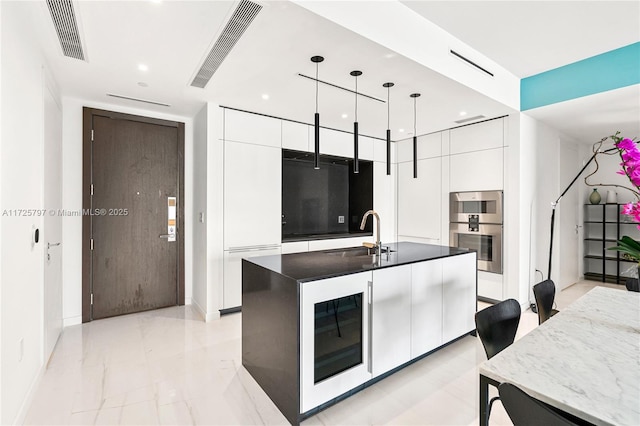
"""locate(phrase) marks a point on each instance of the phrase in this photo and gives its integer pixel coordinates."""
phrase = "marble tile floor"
(169, 367)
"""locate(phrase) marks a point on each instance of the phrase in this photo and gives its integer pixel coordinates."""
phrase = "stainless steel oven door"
(486, 205)
(486, 241)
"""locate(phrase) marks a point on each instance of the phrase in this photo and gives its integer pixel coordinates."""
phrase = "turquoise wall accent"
(607, 71)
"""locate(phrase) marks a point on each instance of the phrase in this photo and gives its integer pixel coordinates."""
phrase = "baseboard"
(188, 301)
(212, 316)
(67, 322)
(28, 399)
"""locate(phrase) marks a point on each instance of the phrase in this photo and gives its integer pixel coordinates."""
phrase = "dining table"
(584, 361)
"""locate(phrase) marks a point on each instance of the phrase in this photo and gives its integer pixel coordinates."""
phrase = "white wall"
(199, 173)
(520, 189)
(1, 204)
(215, 224)
(72, 199)
(608, 166)
(548, 188)
(21, 264)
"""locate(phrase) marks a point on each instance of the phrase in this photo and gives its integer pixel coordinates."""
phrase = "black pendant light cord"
(388, 106)
(415, 135)
(316, 118)
(388, 86)
(356, 98)
(414, 117)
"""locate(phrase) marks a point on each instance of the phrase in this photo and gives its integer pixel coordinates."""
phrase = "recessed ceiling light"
(344, 116)
(463, 113)
(401, 130)
(265, 96)
(143, 67)
(156, 1)
(142, 84)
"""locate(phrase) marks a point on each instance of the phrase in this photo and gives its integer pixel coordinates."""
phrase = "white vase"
(612, 197)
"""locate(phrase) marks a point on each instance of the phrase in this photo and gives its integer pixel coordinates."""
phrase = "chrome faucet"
(364, 222)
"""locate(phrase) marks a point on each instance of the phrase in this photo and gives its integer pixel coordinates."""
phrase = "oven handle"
(370, 330)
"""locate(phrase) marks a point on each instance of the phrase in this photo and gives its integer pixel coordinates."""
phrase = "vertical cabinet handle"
(370, 330)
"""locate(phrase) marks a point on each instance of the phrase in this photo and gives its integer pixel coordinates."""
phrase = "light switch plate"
(340, 219)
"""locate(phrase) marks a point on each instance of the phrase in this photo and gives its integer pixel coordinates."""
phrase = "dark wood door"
(135, 172)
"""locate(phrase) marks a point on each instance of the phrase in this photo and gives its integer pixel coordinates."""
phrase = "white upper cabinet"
(476, 137)
(477, 171)
(384, 199)
(252, 195)
(296, 136)
(365, 147)
(380, 150)
(251, 128)
(333, 142)
(419, 199)
(429, 146)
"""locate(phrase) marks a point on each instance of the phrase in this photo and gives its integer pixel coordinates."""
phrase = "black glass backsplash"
(314, 200)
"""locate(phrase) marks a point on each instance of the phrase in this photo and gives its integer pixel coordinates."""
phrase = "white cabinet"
(419, 199)
(365, 147)
(391, 318)
(458, 295)
(333, 142)
(336, 243)
(232, 273)
(477, 171)
(429, 146)
(296, 136)
(380, 150)
(252, 128)
(295, 247)
(319, 292)
(252, 195)
(384, 200)
(477, 137)
(426, 306)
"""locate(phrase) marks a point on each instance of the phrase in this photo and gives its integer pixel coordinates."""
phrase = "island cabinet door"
(459, 294)
(426, 306)
(334, 337)
(391, 318)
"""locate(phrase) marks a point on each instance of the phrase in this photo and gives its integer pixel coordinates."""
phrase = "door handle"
(370, 326)
(167, 236)
(49, 245)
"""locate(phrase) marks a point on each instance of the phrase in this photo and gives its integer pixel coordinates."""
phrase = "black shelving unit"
(604, 225)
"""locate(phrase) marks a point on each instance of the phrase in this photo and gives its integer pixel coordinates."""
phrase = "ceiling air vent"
(64, 19)
(237, 25)
(466, 120)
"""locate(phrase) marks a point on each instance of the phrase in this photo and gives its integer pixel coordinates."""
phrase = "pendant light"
(356, 165)
(388, 86)
(415, 136)
(316, 122)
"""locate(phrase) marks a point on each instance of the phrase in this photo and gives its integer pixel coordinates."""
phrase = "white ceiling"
(173, 37)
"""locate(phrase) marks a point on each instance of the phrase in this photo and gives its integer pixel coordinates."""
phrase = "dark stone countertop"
(316, 265)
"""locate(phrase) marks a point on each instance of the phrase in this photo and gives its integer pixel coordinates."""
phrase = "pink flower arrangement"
(630, 167)
(629, 153)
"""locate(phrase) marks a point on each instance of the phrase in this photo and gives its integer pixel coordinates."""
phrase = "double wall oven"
(475, 222)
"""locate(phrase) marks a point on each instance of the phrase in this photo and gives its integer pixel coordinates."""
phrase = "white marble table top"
(585, 360)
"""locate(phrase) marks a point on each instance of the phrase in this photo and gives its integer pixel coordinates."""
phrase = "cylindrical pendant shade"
(356, 161)
(316, 128)
(415, 157)
(388, 152)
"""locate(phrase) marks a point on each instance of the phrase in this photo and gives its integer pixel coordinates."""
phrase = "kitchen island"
(320, 326)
